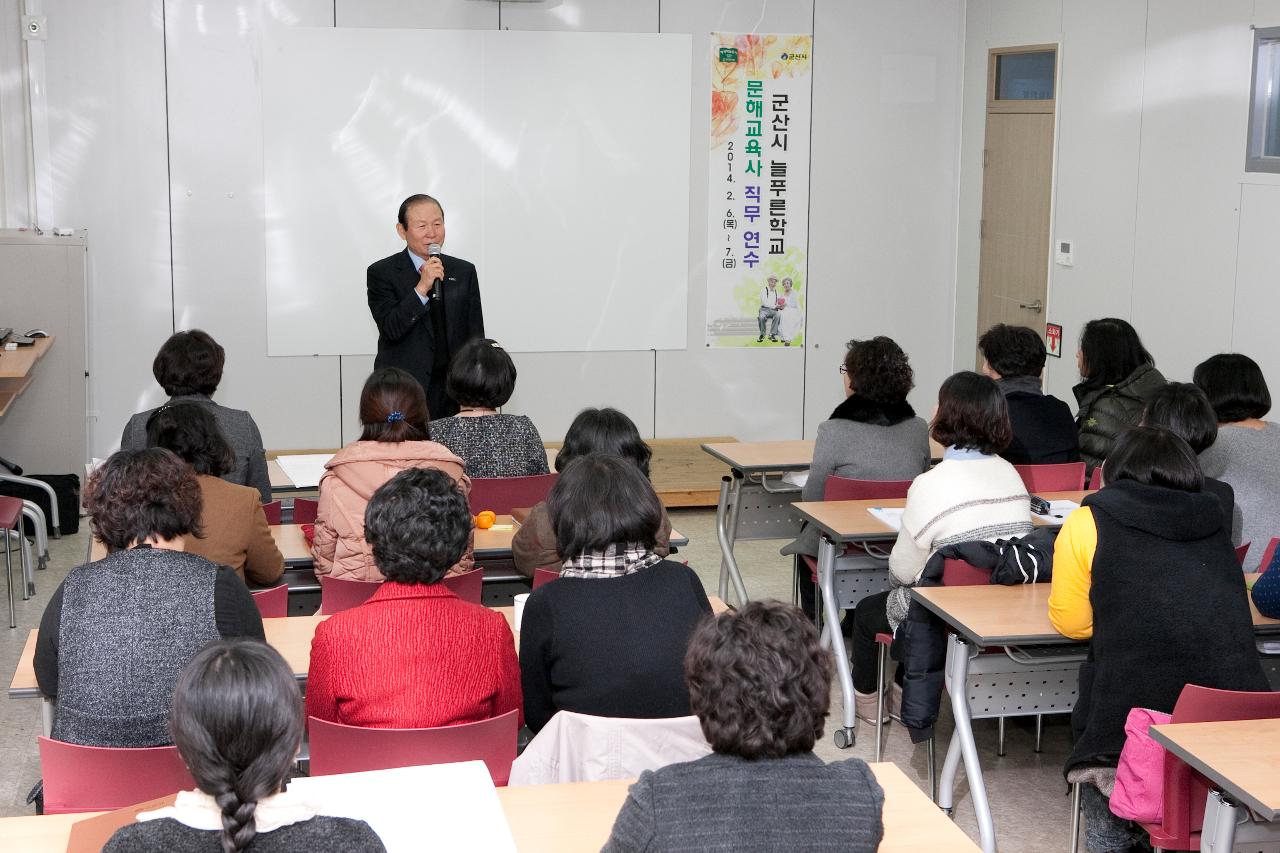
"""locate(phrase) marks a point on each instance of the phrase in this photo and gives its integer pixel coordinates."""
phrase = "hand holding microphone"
(431, 273)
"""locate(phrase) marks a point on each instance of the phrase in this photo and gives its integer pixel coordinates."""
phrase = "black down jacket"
(920, 643)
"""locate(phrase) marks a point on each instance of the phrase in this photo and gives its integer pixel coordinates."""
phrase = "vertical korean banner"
(758, 191)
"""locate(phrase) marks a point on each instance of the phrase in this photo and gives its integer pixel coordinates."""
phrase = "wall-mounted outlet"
(1064, 255)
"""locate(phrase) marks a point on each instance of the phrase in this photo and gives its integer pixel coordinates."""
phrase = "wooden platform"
(682, 474)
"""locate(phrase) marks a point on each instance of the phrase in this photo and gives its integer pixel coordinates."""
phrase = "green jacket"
(1109, 410)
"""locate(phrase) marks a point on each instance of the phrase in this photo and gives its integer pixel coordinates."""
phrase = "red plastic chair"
(272, 603)
(272, 510)
(544, 576)
(337, 595)
(503, 494)
(304, 510)
(849, 489)
(467, 585)
(1242, 551)
(336, 748)
(1186, 791)
(1269, 555)
(1095, 479)
(98, 778)
(1058, 477)
(11, 519)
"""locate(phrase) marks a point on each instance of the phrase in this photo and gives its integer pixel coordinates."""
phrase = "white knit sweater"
(960, 500)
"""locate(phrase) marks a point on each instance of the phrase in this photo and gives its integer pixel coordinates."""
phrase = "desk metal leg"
(958, 671)
(8, 570)
(844, 737)
(947, 783)
(727, 509)
(1223, 813)
(47, 710)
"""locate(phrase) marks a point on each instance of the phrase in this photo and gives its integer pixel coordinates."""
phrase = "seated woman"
(235, 529)
(1247, 452)
(760, 683)
(1118, 376)
(1145, 571)
(440, 660)
(237, 723)
(592, 431)
(393, 411)
(971, 495)
(482, 378)
(609, 636)
(1044, 431)
(189, 368)
(874, 434)
(1184, 410)
(117, 631)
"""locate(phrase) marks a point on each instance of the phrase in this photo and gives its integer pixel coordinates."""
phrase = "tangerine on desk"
(486, 519)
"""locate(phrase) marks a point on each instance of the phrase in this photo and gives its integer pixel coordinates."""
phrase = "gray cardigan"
(861, 451)
(237, 427)
(1248, 460)
(723, 802)
(317, 835)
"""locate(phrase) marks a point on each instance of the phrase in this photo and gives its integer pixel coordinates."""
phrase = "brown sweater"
(236, 532)
(534, 545)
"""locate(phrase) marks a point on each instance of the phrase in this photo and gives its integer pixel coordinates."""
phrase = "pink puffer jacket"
(351, 477)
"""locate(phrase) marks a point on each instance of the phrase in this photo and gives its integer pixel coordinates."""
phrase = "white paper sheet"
(1059, 510)
(891, 516)
(305, 469)
(456, 801)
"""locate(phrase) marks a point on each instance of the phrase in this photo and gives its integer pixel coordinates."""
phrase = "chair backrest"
(960, 573)
(1185, 791)
(272, 603)
(271, 510)
(337, 595)
(336, 748)
(467, 585)
(503, 494)
(98, 778)
(1269, 555)
(10, 512)
(1058, 477)
(1095, 479)
(541, 576)
(304, 510)
(849, 489)
(1242, 551)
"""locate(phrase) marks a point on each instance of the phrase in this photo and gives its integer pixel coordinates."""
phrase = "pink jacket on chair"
(351, 477)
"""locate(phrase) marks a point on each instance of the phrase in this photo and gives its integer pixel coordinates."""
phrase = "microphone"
(433, 251)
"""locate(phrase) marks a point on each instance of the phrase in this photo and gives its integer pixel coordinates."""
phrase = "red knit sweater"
(413, 656)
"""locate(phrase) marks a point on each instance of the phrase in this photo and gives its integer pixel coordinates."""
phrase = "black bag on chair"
(65, 486)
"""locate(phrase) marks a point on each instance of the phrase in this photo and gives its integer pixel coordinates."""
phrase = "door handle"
(1036, 306)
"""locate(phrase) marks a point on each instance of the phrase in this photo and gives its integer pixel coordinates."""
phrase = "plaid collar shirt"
(613, 562)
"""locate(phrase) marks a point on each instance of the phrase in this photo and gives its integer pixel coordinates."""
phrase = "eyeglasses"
(844, 369)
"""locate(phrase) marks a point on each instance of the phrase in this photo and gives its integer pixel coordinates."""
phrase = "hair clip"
(395, 416)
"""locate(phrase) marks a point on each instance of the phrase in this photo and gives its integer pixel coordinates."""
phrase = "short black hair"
(189, 363)
(1111, 351)
(416, 198)
(393, 407)
(1013, 350)
(878, 370)
(1183, 409)
(1153, 456)
(759, 680)
(601, 500)
(604, 431)
(1235, 386)
(481, 374)
(191, 432)
(972, 413)
(139, 494)
(418, 525)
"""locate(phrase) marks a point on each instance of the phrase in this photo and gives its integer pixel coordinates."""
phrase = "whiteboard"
(561, 160)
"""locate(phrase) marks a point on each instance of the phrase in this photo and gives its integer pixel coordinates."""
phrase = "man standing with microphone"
(426, 304)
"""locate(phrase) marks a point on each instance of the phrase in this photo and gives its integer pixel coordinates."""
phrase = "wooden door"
(1016, 193)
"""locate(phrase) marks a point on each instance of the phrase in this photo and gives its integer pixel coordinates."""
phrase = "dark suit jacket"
(405, 337)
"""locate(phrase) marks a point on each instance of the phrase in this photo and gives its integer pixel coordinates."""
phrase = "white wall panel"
(882, 233)
(427, 14)
(1255, 282)
(1014, 22)
(106, 108)
(553, 387)
(1099, 117)
(598, 16)
(216, 176)
(1194, 106)
(355, 370)
(748, 393)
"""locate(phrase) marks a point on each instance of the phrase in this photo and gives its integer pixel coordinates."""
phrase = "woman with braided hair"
(237, 722)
